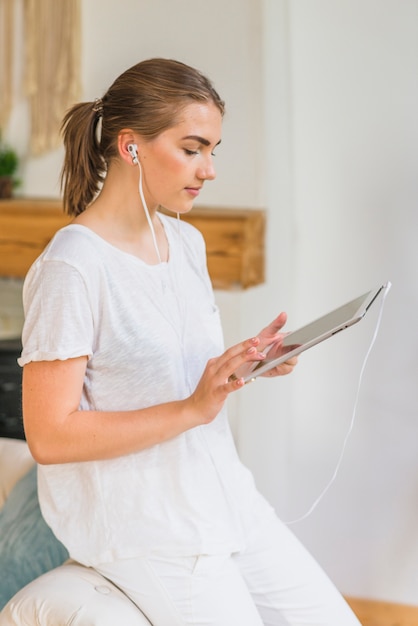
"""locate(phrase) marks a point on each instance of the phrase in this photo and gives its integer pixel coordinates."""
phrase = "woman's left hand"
(271, 343)
(271, 338)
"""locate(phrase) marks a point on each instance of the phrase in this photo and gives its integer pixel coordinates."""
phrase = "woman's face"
(176, 164)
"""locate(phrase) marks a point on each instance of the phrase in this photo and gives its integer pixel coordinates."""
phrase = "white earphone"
(133, 151)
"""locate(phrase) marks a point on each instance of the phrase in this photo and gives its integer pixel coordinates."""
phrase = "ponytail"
(84, 168)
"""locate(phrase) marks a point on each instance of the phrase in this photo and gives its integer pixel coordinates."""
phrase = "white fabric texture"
(273, 581)
(148, 331)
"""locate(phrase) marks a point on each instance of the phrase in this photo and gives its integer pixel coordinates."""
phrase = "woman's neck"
(117, 215)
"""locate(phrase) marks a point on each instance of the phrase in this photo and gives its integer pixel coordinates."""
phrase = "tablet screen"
(315, 332)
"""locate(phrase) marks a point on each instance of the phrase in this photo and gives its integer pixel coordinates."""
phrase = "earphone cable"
(353, 416)
(144, 204)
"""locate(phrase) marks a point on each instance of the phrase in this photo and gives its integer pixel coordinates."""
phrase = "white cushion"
(71, 594)
(15, 461)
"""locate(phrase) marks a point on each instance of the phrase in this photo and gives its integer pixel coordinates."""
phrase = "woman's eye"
(195, 152)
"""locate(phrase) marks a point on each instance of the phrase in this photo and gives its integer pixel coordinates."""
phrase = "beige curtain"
(6, 59)
(52, 80)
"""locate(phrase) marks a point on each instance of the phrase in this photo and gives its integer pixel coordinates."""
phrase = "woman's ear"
(127, 147)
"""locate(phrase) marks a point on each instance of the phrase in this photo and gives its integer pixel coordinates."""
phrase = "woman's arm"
(58, 432)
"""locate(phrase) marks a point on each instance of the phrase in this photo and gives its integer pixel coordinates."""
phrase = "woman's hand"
(219, 379)
(271, 343)
(271, 338)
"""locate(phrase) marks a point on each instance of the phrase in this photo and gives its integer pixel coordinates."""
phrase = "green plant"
(9, 161)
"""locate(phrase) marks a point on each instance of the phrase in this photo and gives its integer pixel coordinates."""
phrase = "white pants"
(273, 582)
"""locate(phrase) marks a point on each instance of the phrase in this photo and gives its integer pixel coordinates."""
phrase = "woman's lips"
(193, 191)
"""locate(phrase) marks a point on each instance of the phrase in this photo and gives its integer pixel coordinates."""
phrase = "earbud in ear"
(133, 151)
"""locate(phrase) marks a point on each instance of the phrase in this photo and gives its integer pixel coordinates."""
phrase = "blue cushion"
(28, 547)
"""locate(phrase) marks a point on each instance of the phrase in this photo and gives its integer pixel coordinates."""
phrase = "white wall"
(341, 156)
(352, 195)
(321, 129)
(355, 101)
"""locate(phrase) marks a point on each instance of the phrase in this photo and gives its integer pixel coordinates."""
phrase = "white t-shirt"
(148, 331)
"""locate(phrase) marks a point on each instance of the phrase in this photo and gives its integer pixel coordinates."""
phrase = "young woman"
(126, 377)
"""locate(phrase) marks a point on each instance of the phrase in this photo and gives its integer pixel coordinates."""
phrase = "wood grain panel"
(234, 239)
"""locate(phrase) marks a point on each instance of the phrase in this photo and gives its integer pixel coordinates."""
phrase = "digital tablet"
(320, 329)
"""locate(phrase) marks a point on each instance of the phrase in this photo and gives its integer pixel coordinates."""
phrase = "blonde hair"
(147, 98)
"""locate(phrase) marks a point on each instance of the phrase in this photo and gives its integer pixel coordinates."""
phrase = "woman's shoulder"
(72, 234)
(72, 250)
(73, 243)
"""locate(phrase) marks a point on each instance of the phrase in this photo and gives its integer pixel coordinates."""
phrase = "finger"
(284, 368)
(277, 324)
(241, 362)
(239, 348)
(293, 361)
(230, 368)
(234, 381)
(272, 332)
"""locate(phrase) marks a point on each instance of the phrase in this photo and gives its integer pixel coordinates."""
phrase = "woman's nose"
(207, 170)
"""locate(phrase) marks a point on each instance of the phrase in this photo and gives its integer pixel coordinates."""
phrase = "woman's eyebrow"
(201, 140)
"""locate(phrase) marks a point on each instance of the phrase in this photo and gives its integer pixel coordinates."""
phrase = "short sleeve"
(58, 314)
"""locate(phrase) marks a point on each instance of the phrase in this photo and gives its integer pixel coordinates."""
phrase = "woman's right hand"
(218, 379)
